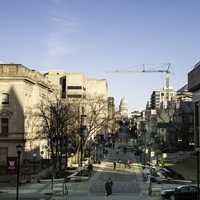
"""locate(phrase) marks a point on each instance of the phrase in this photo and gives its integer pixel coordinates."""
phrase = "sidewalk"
(27, 188)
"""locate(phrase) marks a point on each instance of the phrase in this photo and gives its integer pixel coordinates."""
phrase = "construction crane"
(144, 70)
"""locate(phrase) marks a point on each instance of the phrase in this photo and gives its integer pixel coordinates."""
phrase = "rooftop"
(19, 70)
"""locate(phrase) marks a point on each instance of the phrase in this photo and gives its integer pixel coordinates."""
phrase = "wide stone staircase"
(124, 179)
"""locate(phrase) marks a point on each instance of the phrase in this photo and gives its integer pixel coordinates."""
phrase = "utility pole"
(19, 151)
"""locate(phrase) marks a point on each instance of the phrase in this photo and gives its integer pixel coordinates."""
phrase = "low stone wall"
(36, 177)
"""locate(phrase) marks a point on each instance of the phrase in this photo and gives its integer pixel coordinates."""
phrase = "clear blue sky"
(94, 36)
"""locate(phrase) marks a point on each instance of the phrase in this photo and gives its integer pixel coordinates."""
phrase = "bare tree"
(60, 120)
(97, 116)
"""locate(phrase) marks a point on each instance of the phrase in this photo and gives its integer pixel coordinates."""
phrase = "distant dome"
(123, 107)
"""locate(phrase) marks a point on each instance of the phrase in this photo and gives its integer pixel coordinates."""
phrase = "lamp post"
(19, 151)
(96, 151)
(41, 159)
(149, 156)
(68, 150)
(164, 156)
(34, 158)
(47, 151)
(83, 132)
(145, 156)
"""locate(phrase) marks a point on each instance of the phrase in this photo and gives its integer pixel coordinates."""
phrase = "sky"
(97, 36)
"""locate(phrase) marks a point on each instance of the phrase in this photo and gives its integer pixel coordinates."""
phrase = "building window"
(63, 87)
(74, 95)
(3, 156)
(74, 87)
(4, 126)
(5, 98)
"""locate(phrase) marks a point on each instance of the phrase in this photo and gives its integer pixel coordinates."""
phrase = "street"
(127, 183)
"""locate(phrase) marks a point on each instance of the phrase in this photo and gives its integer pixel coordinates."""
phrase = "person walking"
(90, 169)
(129, 164)
(119, 161)
(108, 187)
(146, 173)
(114, 165)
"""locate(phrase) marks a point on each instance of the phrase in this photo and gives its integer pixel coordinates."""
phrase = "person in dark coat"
(90, 169)
(108, 187)
(114, 165)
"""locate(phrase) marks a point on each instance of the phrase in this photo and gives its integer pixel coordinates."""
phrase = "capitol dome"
(123, 107)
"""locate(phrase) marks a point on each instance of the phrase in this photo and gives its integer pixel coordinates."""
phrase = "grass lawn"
(187, 168)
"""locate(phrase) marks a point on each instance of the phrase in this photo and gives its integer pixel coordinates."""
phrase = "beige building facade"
(87, 92)
(21, 90)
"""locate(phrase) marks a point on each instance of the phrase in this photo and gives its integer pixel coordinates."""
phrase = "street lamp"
(34, 158)
(96, 150)
(19, 151)
(41, 159)
(83, 133)
(68, 150)
(164, 156)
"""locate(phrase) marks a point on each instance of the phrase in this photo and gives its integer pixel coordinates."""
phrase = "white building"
(194, 87)
(123, 107)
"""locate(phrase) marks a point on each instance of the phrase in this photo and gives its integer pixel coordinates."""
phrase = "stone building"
(21, 90)
(95, 87)
(194, 87)
(162, 98)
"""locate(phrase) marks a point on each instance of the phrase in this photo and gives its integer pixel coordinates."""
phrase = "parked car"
(172, 174)
(159, 176)
(185, 192)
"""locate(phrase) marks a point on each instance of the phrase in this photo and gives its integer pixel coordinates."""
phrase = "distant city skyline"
(93, 37)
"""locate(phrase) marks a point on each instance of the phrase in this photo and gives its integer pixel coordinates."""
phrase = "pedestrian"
(113, 145)
(125, 163)
(119, 161)
(129, 162)
(90, 169)
(108, 187)
(145, 173)
(114, 165)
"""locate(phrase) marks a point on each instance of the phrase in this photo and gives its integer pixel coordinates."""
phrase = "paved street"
(128, 183)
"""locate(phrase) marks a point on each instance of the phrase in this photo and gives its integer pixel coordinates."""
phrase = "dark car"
(185, 192)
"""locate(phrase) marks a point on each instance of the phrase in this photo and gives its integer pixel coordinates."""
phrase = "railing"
(59, 186)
